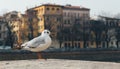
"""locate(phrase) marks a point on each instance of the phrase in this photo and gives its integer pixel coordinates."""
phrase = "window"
(13, 26)
(47, 18)
(64, 13)
(58, 19)
(65, 45)
(53, 8)
(75, 44)
(68, 21)
(47, 9)
(68, 14)
(69, 44)
(58, 9)
(111, 43)
(78, 45)
(92, 43)
(65, 22)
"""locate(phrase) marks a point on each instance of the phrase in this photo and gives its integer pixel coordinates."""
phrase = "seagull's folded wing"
(36, 42)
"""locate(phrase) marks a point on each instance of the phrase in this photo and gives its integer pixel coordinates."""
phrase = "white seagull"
(39, 43)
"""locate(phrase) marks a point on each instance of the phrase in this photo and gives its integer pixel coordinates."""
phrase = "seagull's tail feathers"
(24, 45)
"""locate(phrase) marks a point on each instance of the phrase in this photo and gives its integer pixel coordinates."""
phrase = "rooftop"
(109, 18)
(68, 6)
(75, 7)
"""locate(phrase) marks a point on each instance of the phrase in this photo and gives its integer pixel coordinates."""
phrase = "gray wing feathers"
(34, 42)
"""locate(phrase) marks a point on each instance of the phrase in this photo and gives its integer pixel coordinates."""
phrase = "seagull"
(39, 43)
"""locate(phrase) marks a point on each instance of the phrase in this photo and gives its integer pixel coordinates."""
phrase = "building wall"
(48, 15)
(40, 11)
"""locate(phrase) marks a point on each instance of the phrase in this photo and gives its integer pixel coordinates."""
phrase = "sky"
(96, 6)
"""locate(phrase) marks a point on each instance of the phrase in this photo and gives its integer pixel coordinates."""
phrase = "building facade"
(76, 22)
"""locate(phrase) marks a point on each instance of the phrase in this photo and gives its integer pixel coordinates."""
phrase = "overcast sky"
(96, 6)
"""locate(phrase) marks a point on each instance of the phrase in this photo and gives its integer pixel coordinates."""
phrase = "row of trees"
(75, 33)
(96, 31)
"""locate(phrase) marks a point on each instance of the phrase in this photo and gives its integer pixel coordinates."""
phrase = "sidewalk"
(57, 64)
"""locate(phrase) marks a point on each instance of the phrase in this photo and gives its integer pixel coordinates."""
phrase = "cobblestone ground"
(57, 64)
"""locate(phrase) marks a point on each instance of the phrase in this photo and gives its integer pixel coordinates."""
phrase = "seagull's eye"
(47, 32)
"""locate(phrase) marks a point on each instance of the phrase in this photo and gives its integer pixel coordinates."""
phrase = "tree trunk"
(117, 44)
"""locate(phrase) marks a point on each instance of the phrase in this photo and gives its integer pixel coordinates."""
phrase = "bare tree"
(98, 27)
(60, 37)
(117, 15)
(30, 24)
(10, 36)
(106, 14)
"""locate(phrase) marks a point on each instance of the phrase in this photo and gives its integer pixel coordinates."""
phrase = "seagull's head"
(46, 32)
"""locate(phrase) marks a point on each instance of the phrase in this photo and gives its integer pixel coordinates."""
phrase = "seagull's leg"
(39, 55)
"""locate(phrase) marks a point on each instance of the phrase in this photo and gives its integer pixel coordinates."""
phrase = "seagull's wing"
(36, 42)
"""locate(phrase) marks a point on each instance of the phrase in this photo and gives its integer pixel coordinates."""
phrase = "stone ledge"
(96, 55)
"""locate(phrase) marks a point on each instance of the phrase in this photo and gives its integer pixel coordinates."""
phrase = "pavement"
(57, 64)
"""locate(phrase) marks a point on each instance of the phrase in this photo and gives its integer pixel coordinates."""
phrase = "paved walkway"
(57, 64)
